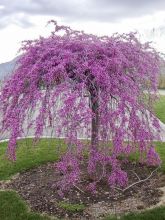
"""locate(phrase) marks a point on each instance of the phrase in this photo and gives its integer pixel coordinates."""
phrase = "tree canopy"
(103, 85)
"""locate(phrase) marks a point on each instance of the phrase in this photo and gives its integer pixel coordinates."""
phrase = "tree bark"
(95, 118)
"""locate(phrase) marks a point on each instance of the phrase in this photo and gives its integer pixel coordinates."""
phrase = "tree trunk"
(95, 118)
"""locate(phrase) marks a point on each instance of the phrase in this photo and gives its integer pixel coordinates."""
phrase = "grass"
(154, 214)
(29, 156)
(160, 147)
(160, 108)
(14, 208)
(71, 207)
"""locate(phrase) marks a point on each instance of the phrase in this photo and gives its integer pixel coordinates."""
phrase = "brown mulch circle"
(37, 187)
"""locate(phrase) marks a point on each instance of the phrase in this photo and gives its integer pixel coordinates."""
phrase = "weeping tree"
(79, 85)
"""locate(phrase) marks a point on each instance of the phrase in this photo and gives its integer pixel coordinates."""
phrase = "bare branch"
(138, 182)
(136, 174)
(79, 189)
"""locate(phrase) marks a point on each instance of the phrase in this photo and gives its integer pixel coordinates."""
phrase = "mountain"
(7, 68)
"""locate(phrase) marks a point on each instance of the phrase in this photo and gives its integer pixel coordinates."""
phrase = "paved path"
(161, 91)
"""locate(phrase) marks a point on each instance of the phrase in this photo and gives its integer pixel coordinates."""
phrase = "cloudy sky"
(27, 19)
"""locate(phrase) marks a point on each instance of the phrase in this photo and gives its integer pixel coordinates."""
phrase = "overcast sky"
(27, 19)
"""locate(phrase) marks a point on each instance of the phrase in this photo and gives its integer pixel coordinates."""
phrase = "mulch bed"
(37, 187)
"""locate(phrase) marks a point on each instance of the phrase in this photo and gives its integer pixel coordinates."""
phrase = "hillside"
(7, 68)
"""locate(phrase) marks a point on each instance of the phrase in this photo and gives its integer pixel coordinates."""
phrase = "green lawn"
(154, 214)
(160, 149)
(160, 108)
(29, 155)
(13, 208)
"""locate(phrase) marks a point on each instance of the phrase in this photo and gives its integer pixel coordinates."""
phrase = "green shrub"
(71, 207)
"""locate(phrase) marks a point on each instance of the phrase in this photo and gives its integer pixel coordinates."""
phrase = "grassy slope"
(160, 108)
(160, 113)
(154, 214)
(13, 208)
(29, 156)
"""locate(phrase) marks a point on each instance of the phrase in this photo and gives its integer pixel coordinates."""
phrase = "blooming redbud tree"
(81, 85)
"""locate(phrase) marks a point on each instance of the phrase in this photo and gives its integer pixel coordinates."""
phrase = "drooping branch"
(139, 181)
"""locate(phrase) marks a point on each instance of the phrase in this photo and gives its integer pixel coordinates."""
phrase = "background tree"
(84, 85)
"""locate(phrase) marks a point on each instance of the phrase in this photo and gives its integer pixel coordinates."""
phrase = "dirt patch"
(37, 187)
(5, 183)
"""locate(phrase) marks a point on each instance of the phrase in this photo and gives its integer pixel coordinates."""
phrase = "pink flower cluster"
(153, 158)
(69, 168)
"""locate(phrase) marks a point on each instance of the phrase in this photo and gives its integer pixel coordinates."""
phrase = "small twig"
(136, 174)
(79, 189)
(103, 174)
(140, 181)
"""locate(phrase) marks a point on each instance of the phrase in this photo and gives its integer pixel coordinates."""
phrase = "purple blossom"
(118, 177)
(92, 187)
(153, 158)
